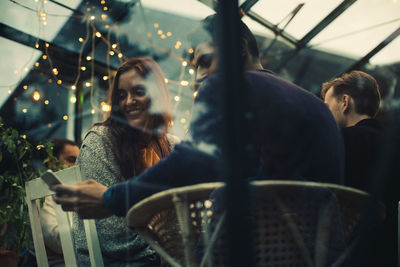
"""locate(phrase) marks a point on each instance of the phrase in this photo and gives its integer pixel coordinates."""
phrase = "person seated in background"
(132, 138)
(354, 100)
(66, 151)
(294, 134)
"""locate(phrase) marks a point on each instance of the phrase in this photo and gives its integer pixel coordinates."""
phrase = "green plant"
(18, 164)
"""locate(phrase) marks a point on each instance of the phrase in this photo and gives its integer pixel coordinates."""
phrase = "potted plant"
(18, 163)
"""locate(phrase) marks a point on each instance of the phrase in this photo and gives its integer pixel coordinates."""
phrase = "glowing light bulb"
(163, 36)
(65, 117)
(104, 16)
(105, 78)
(191, 71)
(46, 102)
(36, 96)
(120, 55)
(55, 71)
(195, 94)
(169, 34)
(81, 39)
(47, 44)
(166, 80)
(88, 58)
(59, 82)
(177, 98)
(88, 84)
(44, 57)
(37, 64)
(156, 25)
(92, 111)
(73, 87)
(98, 34)
(105, 9)
(25, 87)
(184, 63)
(111, 53)
(159, 32)
(184, 83)
(114, 46)
(24, 110)
(72, 99)
(92, 17)
(83, 68)
(106, 108)
(183, 120)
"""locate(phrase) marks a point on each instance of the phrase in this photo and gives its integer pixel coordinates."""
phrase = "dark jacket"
(292, 131)
(362, 145)
(372, 164)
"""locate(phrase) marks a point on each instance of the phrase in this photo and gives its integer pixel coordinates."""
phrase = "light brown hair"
(361, 86)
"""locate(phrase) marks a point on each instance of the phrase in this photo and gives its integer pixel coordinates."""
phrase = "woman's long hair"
(129, 142)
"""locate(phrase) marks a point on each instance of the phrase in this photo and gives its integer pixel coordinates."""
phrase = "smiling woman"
(131, 139)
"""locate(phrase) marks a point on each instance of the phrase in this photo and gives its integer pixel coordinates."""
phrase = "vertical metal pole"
(71, 114)
(231, 69)
(78, 113)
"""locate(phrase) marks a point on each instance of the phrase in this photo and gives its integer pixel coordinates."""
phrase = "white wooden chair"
(37, 189)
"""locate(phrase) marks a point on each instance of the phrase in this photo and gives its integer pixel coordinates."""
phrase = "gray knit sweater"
(119, 245)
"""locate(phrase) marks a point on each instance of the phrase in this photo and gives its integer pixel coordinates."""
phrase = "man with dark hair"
(205, 60)
(293, 134)
(66, 151)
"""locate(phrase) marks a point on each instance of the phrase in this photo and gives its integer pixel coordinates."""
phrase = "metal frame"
(359, 64)
(300, 44)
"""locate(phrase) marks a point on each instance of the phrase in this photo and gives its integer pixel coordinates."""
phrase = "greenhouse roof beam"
(324, 23)
(53, 49)
(359, 64)
(254, 16)
(248, 4)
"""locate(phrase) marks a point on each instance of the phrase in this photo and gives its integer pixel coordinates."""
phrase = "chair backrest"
(292, 223)
(38, 189)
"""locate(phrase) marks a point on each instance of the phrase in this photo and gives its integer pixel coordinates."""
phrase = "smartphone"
(51, 178)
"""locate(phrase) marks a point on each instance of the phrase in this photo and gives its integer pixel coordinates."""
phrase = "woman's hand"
(85, 198)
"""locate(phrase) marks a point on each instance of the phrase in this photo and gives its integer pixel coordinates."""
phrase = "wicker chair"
(292, 223)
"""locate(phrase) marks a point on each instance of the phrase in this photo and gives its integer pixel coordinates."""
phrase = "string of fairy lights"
(113, 50)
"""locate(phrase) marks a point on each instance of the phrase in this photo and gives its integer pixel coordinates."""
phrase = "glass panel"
(17, 60)
(359, 25)
(361, 28)
(38, 18)
(309, 15)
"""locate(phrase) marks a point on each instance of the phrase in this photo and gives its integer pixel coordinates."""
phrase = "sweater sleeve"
(97, 160)
(183, 166)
